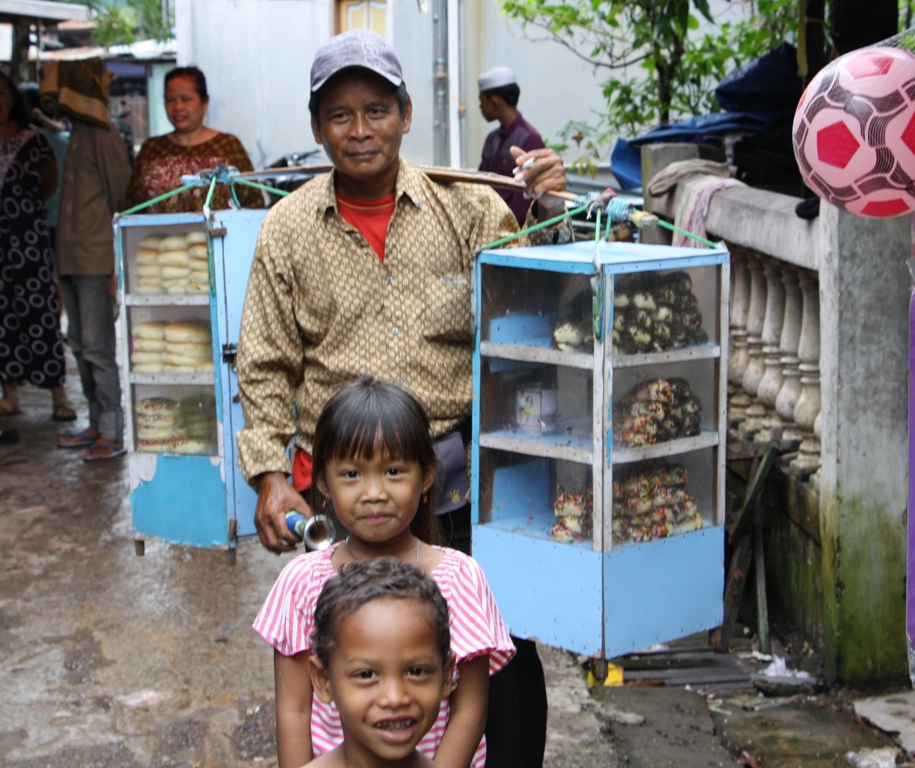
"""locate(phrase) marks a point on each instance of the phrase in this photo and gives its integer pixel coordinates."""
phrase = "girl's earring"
(324, 503)
(425, 498)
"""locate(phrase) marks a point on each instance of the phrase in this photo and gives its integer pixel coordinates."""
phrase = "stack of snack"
(171, 348)
(654, 312)
(198, 263)
(188, 348)
(167, 426)
(147, 347)
(157, 423)
(177, 264)
(574, 332)
(656, 411)
(574, 515)
(147, 266)
(196, 424)
(650, 501)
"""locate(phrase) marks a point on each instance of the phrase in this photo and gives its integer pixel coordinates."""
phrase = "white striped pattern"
(287, 618)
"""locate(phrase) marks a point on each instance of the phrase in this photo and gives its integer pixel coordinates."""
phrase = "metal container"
(537, 408)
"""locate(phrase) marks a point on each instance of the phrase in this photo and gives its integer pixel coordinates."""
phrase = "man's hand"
(544, 173)
(276, 497)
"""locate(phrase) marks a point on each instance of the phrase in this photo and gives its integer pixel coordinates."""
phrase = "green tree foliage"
(121, 23)
(661, 65)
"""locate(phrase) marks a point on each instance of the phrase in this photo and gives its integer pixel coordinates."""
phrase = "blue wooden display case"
(181, 396)
(599, 441)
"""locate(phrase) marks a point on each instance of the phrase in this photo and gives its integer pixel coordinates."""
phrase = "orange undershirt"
(370, 217)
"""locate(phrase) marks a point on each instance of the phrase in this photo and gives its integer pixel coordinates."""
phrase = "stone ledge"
(757, 219)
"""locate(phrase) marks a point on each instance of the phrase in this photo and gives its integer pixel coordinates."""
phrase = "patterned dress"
(286, 621)
(31, 346)
(161, 164)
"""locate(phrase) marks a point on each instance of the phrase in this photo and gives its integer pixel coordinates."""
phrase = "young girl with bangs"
(374, 462)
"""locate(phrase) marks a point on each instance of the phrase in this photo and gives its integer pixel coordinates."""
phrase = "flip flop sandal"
(8, 409)
(76, 439)
(64, 411)
(104, 451)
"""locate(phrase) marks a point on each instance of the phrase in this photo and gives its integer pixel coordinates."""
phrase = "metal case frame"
(198, 500)
(593, 597)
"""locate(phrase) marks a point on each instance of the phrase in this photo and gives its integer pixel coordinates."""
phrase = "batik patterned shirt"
(322, 310)
(161, 164)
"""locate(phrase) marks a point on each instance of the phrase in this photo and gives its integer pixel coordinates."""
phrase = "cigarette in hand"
(523, 166)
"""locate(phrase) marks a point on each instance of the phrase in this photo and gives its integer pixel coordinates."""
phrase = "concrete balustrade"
(836, 548)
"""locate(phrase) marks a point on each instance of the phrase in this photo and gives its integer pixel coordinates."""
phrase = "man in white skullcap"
(499, 94)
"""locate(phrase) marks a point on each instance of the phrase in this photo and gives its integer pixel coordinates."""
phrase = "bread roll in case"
(187, 332)
(151, 330)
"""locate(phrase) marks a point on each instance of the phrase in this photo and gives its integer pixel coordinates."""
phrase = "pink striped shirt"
(286, 621)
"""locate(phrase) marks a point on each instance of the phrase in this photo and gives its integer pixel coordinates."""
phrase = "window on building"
(361, 14)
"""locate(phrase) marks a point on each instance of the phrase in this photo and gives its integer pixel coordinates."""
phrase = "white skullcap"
(496, 78)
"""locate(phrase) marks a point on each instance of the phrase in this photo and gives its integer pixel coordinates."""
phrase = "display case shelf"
(175, 379)
(569, 443)
(626, 455)
(536, 354)
(535, 526)
(166, 300)
(686, 354)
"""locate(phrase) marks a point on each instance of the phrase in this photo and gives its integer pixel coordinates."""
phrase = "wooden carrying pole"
(434, 172)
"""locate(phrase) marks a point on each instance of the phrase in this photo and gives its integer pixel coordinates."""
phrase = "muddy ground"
(110, 660)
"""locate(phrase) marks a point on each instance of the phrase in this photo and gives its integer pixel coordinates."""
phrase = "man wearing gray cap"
(499, 94)
(367, 271)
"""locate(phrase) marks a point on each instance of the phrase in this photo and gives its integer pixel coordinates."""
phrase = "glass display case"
(599, 441)
(181, 281)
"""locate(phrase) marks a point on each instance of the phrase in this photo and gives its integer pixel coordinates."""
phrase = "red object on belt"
(301, 470)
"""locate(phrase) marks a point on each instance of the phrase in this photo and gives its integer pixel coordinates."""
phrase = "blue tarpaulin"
(755, 98)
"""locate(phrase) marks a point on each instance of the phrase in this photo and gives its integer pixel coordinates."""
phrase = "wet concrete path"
(109, 660)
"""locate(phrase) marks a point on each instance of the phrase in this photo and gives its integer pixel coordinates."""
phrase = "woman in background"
(31, 345)
(192, 147)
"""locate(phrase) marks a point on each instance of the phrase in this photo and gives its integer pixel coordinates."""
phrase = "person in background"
(189, 149)
(367, 271)
(92, 191)
(57, 132)
(31, 345)
(499, 94)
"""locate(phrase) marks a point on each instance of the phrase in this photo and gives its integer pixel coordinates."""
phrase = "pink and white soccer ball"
(854, 132)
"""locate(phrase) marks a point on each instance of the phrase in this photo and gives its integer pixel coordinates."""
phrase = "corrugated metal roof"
(45, 10)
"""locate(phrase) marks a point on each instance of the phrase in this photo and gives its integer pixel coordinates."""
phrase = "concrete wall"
(257, 66)
(850, 559)
(256, 56)
(864, 299)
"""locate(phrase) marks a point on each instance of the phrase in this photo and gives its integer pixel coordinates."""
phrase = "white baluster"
(778, 360)
(752, 376)
(808, 404)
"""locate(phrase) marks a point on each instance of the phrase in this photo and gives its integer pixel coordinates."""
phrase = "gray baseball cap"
(356, 48)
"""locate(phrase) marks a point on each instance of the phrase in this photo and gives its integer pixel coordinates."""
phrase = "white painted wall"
(257, 54)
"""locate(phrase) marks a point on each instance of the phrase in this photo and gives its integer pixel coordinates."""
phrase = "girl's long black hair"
(370, 415)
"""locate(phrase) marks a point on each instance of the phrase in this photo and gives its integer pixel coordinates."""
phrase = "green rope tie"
(160, 198)
(266, 188)
(672, 228)
(541, 225)
(210, 191)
